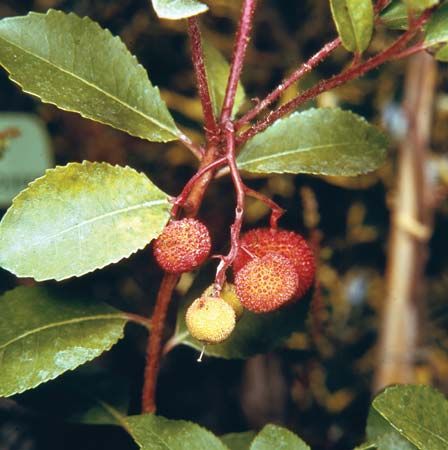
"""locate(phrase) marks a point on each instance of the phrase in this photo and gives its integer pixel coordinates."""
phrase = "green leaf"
(157, 433)
(436, 32)
(383, 436)
(43, 335)
(76, 65)
(319, 141)
(253, 334)
(354, 22)
(89, 396)
(366, 446)
(418, 413)
(273, 436)
(393, 440)
(217, 70)
(395, 16)
(79, 218)
(238, 441)
(420, 5)
(178, 9)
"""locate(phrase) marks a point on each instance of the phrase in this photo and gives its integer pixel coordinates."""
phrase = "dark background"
(320, 388)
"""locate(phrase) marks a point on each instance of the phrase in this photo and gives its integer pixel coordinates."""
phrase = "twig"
(154, 346)
(380, 5)
(140, 320)
(337, 80)
(196, 150)
(305, 68)
(276, 210)
(239, 51)
(153, 350)
(421, 46)
(210, 125)
(182, 198)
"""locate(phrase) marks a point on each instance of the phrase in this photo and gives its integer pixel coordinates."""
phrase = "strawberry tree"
(81, 217)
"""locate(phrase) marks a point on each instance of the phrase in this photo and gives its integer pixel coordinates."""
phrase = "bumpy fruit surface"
(210, 320)
(229, 295)
(265, 284)
(263, 241)
(183, 246)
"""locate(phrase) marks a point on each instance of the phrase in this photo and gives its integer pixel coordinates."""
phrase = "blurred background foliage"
(319, 383)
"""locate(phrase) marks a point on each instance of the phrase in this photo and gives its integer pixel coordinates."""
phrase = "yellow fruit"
(228, 294)
(210, 320)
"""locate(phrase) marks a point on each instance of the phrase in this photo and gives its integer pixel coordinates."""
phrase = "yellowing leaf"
(79, 218)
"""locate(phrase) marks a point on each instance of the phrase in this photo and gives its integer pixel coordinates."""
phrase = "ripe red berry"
(262, 241)
(183, 246)
(265, 284)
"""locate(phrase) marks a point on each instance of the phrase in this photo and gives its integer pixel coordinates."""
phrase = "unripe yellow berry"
(210, 320)
(228, 294)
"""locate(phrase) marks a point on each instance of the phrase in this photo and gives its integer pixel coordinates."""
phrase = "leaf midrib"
(88, 83)
(352, 26)
(96, 219)
(61, 324)
(416, 424)
(298, 150)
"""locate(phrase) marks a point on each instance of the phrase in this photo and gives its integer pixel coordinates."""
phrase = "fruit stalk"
(226, 261)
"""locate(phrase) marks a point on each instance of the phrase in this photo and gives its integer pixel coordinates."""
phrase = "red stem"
(411, 50)
(239, 51)
(277, 211)
(235, 229)
(305, 68)
(380, 5)
(210, 125)
(182, 198)
(153, 350)
(337, 80)
(154, 346)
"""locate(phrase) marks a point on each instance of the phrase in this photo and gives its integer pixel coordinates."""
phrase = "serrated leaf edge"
(106, 349)
(302, 113)
(116, 38)
(114, 261)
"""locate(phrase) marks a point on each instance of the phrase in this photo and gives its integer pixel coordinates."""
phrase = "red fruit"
(262, 241)
(264, 284)
(183, 246)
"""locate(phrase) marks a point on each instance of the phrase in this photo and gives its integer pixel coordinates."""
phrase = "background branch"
(410, 229)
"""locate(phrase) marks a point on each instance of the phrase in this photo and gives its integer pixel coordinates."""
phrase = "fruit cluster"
(272, 268)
